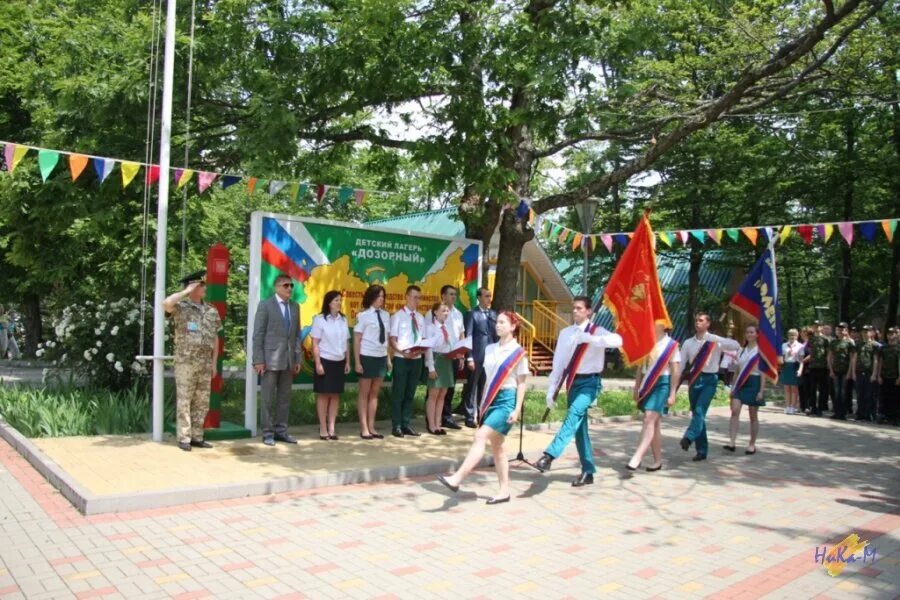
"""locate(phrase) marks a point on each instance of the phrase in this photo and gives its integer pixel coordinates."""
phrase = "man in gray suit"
(276, 356)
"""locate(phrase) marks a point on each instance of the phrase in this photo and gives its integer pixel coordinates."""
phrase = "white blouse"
(744, 356)
(791, 351)
(367, 325)
(657, 351)
(332, 333)
(494, 355)
(440, 346)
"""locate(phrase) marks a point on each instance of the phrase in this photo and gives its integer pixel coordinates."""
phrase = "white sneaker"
(787, 410)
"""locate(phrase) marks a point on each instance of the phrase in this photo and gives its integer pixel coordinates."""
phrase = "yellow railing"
(547, 323)
(525, 336)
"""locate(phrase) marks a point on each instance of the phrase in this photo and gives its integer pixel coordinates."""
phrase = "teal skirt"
(747, 394)
(658, 398)
(446, 378)
(788, 374)
(498, 413)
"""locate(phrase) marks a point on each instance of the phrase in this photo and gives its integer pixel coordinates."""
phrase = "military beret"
(189, 279)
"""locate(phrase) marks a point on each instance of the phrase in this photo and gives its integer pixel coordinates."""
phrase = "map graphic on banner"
(327, 255)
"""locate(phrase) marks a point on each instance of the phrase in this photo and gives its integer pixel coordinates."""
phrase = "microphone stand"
(520, 457)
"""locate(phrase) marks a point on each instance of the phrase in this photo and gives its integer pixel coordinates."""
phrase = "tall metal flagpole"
(162, 216)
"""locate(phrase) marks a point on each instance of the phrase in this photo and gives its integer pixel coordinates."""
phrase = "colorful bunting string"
(48, 160)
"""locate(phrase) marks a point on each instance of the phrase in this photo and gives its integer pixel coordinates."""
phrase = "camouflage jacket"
(890, 354)
(865, 356)
(818, 351)
(196, 329)
(841, 351)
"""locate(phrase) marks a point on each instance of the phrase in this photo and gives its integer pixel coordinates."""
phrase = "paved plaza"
(734, 526)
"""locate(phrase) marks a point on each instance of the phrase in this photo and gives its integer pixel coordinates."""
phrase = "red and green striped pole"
(217, 262)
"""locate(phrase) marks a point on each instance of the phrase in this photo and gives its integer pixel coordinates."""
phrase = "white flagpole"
(162, 216)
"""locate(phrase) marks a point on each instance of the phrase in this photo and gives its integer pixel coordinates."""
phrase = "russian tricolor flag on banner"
(757, 297)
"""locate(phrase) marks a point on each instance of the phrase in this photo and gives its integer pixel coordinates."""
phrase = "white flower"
(40, 344)
(102, 326)
(118, 367)
(110, 357)
(94, 351)
(114, 330)
(51, 344)
(99, 344)
(88, 355)
(137, 367)
(39, 352)
(63, 358)
(97, 331)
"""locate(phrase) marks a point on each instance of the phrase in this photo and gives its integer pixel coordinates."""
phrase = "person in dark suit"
(480, 323)
(276, 356)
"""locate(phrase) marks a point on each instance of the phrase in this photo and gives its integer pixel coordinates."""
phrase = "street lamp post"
(586, 211)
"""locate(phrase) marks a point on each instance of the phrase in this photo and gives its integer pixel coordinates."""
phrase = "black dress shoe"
(492, 501)
(685, 444)
(749, 452)
(366, 437)
(652, 469)
(543, 463)
(471, 424)
(410, 431)
(729, 448)
(450, 424)
(397, 432)
(324, 438)
(201, 444)
(186, 446)
(443, 480)
(285, 438)
(333, 438)
(432, 431)
(583, 479)
(698, 458)
(441, 432)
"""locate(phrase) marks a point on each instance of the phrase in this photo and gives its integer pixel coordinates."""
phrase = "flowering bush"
(96, 343)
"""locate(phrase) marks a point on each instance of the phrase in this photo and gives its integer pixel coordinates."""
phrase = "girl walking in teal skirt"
(654, 393)
(749, 388)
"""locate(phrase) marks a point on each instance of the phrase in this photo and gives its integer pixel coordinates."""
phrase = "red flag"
(634, 295)
(805, 232)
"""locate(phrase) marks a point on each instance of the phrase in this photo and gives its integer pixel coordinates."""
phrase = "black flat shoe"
(432, 431)
(492, 501)
(729, 448)
(652, 469)
(443, 480)
(630, 468)
(377, 436)
(748, 452)
(441, 432)
(323, 438)
(333, 437)
(367, 437)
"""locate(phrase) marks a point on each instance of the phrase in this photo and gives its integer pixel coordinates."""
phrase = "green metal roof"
(443, 221)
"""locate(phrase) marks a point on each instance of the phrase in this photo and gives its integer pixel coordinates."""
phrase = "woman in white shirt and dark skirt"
(370, 349)
(329, 334)
(441, 372)
(791, 355)
(505, 367)
(749, 388)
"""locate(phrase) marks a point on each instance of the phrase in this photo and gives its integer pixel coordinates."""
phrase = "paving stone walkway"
(732, 527)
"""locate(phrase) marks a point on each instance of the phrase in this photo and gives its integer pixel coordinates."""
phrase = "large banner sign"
(329, 255)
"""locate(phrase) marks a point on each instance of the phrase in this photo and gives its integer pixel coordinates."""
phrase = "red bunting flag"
(805, 232)
(320, 191)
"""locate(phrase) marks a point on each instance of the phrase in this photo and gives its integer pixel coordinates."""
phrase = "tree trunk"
(34, 327)
(849, 168)
(894, 287)
(514, 233)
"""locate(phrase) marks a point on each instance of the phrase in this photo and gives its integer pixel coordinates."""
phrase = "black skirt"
(332, 382)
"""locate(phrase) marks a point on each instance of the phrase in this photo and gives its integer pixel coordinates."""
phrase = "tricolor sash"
(657, 370)
(572, 368)
(746, 372)
(503, 371)
(703, 356)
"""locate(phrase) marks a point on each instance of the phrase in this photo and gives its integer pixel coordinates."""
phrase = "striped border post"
(217, 262)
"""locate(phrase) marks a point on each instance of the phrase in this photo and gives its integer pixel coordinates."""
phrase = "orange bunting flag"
(576, 243)
(634, 295)
(889, 226)
(751, 234)
(77, 163)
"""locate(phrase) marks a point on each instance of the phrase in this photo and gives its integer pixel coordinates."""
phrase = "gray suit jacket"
(274, 344)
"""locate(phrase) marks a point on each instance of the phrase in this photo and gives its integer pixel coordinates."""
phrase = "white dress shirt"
(791, 351)
(439, 346)
(332, 333)
(569, 339)
(494, 355)
(367, 325)
(692, 345)
(744, 356)
(456, 318)
(402, 329)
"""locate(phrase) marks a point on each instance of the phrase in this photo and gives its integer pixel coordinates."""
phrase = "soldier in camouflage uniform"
(841, 359)
(865, 375)
(818, 370)
(888, 375)
(196, 326)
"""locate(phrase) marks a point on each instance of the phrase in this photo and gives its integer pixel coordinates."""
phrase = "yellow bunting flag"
(129, 170)
(829, 229)
(785, 232)
(77, 163)
(14, 155)
(185, 177)
(665, 239)
(751, 234)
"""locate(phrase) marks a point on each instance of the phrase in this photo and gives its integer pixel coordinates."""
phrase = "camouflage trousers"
(192, 384)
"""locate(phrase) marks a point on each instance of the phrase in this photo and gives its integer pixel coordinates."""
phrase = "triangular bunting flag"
(716, 235)
(103, 168)
(591, 242)
(576, 241)
(345, 193)
(555, 230)
(77, 163)
(14, 154)
(276, 186)
(129, 170)
(621, 239)
(683, 236)
(868, 230)
(805, 232)
(698, 235)
(564, 236)
(251, 185)
(47, 160)
(361, 197)
(151, 175)
(304, 189)
(294, 190)
(531, 217)
(205, 179)
(751, 234)
(321, 190)
(607, 241)
(733, 234)
(522, 209)
(846, 230)
(183, 177)
(826, 231)
(785, 233)
(230, 180)
(665, 238)
(889, 226)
